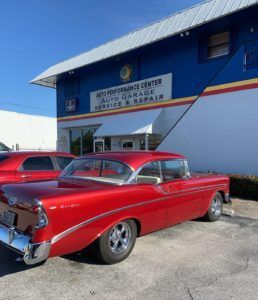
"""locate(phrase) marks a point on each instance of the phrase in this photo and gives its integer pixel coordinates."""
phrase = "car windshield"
(98, 169)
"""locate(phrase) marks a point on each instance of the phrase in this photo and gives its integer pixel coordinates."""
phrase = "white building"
(27, 132)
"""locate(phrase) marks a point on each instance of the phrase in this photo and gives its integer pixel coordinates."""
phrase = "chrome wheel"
(216, 206)
(120, 238)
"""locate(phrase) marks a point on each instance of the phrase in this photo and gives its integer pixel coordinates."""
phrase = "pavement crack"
(190, 294)
(208, 284)
(245, 267)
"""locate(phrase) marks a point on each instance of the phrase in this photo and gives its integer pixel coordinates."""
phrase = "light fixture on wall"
(183, 34)
(252, 29)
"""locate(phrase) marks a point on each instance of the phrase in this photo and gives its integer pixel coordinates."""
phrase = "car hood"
(26, 192)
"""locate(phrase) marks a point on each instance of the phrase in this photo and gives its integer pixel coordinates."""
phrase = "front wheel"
(215, 210)
(116, 243)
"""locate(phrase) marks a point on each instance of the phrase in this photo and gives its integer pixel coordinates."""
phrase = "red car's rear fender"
(148, 219)
(84, 236)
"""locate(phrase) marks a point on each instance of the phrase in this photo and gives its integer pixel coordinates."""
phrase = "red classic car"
(31, 166)
(106, 200)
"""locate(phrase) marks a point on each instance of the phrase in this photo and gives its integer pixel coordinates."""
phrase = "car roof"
(135, 159)
(35, 153)
(15, 158)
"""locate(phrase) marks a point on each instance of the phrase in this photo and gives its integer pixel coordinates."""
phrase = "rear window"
(41, 163)
(63, 162)
(3, 157)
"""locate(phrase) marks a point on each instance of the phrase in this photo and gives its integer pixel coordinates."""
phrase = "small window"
(127, 145)
(173, 169)
(150, 173)
(218, 45)
(41, 163)
(63, 162)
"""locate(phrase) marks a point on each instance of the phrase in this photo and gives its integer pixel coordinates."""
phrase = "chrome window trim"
(132, 179)
(102, 159)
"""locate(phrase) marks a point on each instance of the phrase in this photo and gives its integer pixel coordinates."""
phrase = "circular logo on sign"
(126, 73)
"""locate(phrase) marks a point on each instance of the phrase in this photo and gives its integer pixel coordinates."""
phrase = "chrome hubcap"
(120, 237)
(216, 206)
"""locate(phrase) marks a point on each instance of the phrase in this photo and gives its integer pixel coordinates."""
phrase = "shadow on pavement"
(8, 265)
(85, 257)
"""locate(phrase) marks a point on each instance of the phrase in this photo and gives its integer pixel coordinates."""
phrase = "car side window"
(40, 163)
(150, 173)
(63, 162)
(173, 169)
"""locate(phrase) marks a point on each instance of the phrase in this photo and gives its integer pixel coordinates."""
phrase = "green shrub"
(244, 186)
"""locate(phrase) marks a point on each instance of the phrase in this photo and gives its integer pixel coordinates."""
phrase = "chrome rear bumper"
(31, 253)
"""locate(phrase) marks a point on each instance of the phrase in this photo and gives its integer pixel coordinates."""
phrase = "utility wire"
(27, 106)
(28, 52)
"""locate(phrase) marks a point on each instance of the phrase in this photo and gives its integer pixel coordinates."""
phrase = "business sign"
(71, 105)
(151, 90)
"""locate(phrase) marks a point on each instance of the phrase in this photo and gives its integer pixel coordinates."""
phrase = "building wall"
(183, 57)
(220, 131)
(28, 131)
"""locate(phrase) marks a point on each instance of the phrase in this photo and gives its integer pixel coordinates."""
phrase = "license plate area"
(10, 218)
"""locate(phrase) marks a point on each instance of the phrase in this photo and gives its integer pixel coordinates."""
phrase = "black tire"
(215, 210)
(112, 246)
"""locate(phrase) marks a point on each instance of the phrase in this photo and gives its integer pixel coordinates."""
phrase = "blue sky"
(36, 34)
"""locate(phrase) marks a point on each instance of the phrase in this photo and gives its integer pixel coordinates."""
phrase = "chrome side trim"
(84, 223)
(192, 190)
(80, 225)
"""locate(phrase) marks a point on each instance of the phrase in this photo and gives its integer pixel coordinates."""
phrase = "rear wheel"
(215, 210)
(117, 242)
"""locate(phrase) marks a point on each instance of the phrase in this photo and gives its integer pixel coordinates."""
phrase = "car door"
(150, 174)
(37, 168)
(185, 196)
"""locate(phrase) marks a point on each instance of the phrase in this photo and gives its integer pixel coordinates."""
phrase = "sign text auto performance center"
(187, 83)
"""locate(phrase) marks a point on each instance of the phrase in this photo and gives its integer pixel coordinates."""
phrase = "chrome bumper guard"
(31, 253)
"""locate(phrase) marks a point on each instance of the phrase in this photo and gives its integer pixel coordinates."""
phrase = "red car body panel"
(80, 210)
(10, 168)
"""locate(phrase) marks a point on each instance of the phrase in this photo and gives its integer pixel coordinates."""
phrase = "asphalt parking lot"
(194, 260)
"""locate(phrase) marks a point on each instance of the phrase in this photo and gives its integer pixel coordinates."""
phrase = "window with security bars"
(218, 45)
